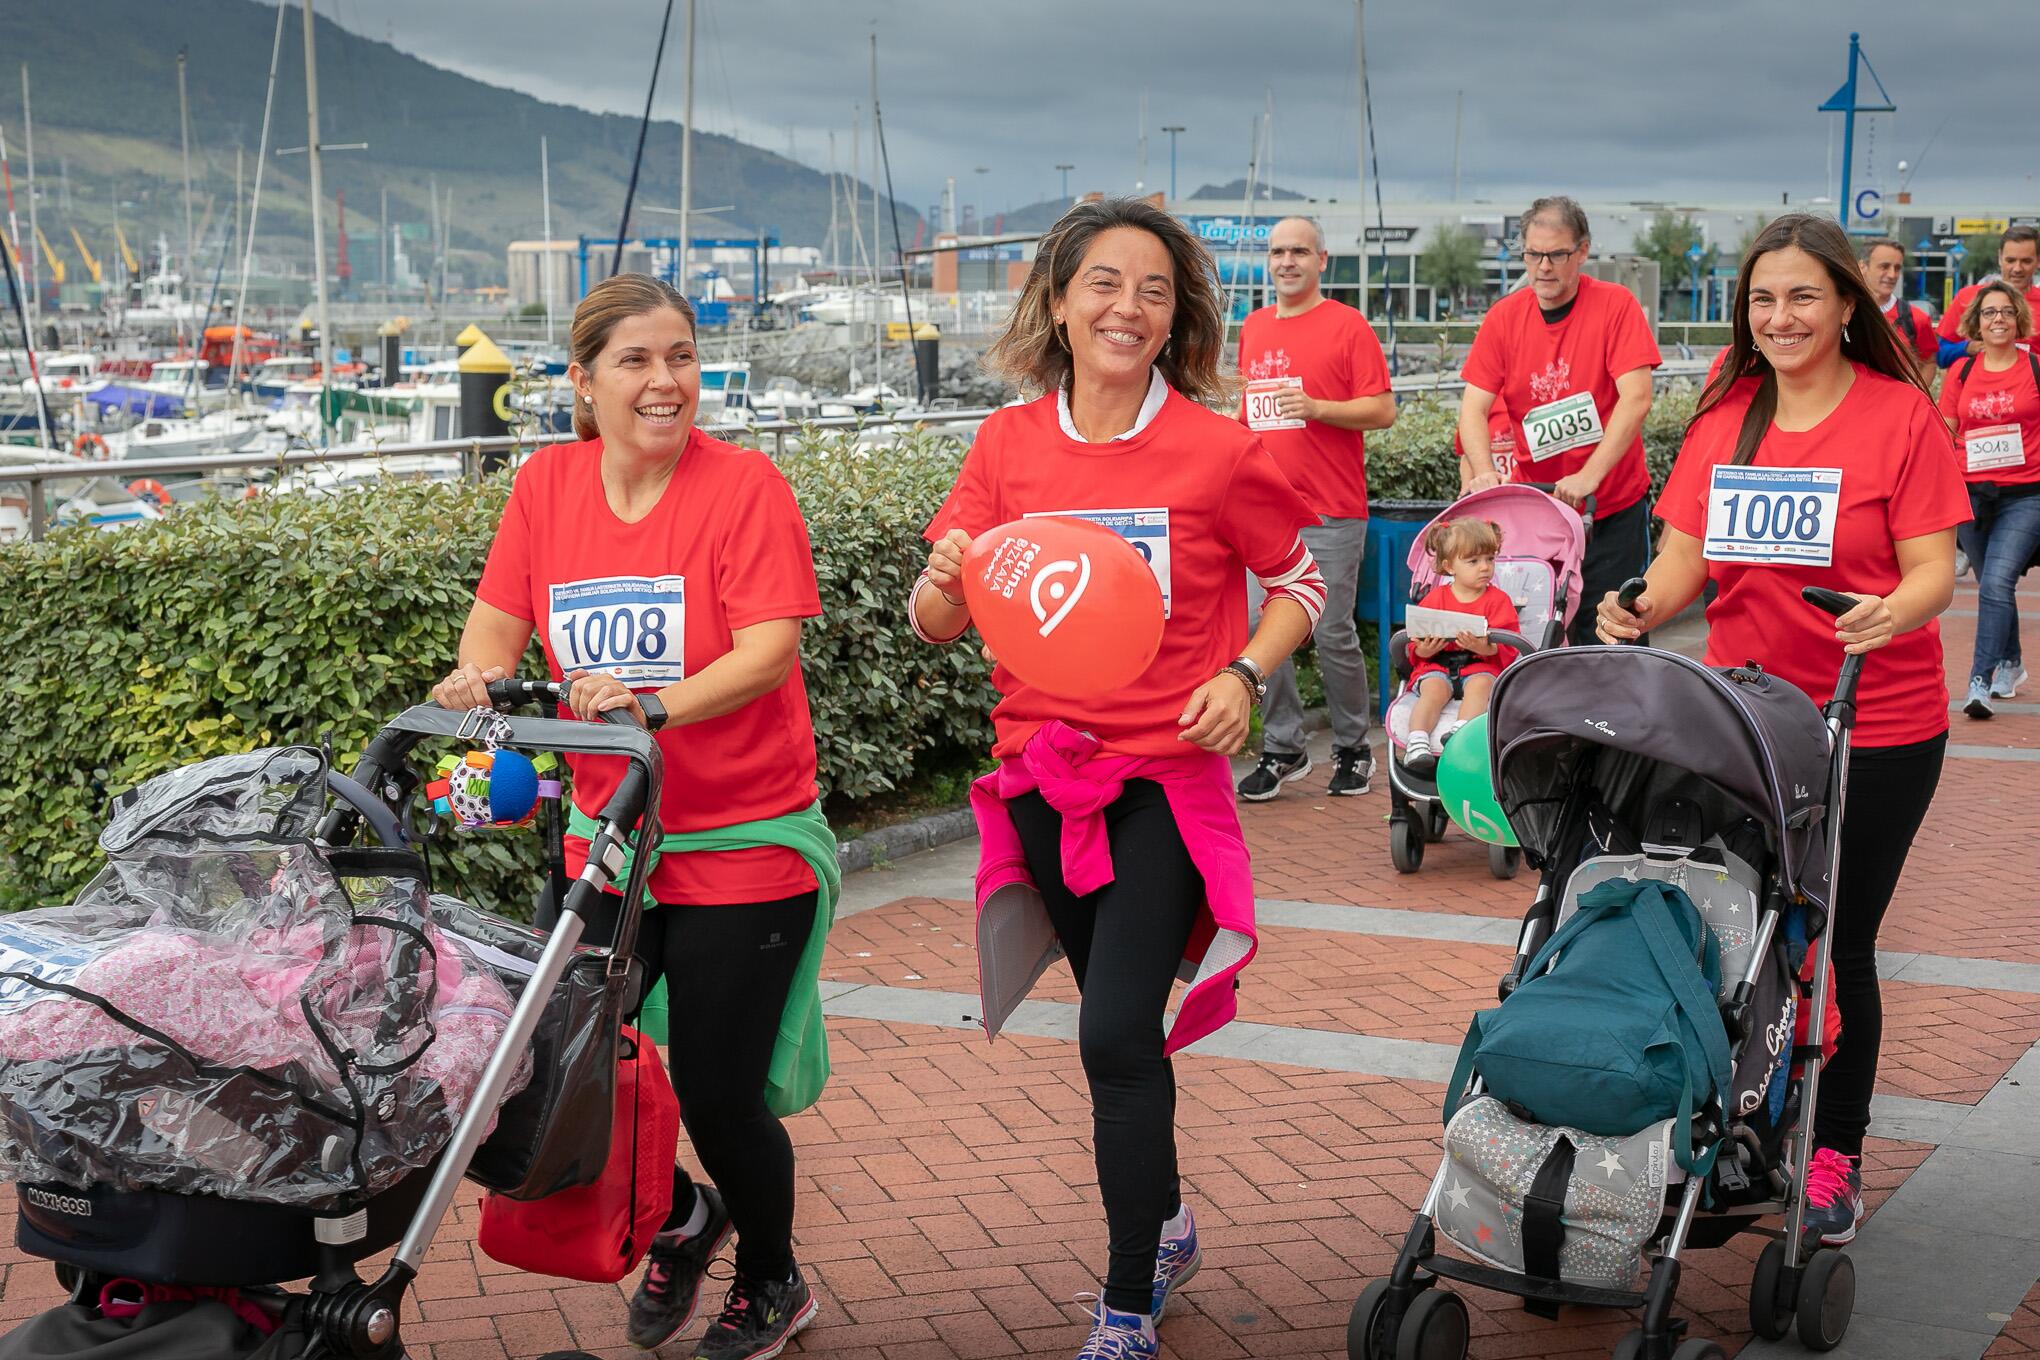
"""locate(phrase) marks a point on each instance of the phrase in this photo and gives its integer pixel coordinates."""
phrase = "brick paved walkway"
(948, 1205)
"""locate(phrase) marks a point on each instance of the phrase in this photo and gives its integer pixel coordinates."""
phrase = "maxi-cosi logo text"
(57, 1204)
(1053, 588)
(1599, 726)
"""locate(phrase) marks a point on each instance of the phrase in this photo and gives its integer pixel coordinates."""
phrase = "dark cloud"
(1604, 98)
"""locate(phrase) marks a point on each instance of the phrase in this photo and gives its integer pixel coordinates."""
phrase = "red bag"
(600, 1232)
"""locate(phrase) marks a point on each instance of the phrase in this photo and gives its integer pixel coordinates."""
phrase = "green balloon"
(1466, 785)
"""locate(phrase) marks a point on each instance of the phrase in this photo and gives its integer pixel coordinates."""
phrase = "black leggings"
(1889, 790)
(1125, 943)
(728, 970)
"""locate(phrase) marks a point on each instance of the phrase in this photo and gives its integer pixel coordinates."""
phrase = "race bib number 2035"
(632, 627)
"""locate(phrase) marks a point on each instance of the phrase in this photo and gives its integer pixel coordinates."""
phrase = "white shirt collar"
(1157, 393)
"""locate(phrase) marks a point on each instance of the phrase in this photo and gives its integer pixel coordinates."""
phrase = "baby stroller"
(185, 1173)
(1543, 540)
(1637, 764)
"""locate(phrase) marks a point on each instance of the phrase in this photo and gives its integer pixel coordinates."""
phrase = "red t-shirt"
(1914, 327)
(1332, 350)
(1899, 480)
(725, 548)
(1531, 364)
(1501, 433)
(1951, 320)
(1495, 606)
(1226, 508)
(1990, 406)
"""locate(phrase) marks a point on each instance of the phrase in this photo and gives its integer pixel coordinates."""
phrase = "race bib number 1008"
(632, 627)
(1775, 516)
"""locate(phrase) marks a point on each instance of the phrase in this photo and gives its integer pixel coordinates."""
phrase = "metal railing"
(475, 454)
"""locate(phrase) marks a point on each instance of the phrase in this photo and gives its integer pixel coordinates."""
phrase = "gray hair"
(1558, 211)
(1316, 228)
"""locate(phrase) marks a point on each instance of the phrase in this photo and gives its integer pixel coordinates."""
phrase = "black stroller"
(1641, 764)
(235, 833)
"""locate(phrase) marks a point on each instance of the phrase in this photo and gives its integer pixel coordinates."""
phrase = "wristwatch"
(1247, 670)
(655, 712)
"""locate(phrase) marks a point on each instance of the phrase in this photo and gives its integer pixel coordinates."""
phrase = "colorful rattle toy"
(493, 787)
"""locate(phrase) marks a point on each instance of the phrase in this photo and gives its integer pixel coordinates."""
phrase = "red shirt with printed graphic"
(1991, 406)
(1899, 480)
(1501, 433)
(1332, 350)
(1227, 511)
(655, 601)
(1530, 363)
(1951, 320)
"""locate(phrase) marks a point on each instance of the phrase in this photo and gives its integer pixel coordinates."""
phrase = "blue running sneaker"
(1176, 1260)
(1120, 1336)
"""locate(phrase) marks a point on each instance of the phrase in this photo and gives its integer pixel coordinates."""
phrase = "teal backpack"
(1622, 1031)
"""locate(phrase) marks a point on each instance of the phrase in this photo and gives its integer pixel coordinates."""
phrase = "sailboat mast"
(686, 147)
(318, 223)
(878, 307)
(30, 269)
(545, 270)
(184, 140)
(255, 206)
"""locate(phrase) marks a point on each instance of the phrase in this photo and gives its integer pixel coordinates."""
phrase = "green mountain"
(104, 76)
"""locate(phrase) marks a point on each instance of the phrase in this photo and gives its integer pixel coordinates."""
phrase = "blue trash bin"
(1392, 526)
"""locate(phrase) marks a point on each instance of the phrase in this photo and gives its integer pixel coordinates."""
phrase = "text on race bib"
(1147, 530)
(1569, 423)
(1774, 516)
(1264, 411)
(1994, 446)
(632, 627)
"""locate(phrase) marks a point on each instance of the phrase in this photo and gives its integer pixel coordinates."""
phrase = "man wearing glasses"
(1572, 358)
(2018, 257)
(1316, 381)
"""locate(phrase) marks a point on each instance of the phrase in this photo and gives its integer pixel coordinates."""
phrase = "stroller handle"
(1834, 602)
(1585, 507)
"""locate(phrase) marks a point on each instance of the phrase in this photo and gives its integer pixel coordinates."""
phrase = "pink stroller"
(1543, 540)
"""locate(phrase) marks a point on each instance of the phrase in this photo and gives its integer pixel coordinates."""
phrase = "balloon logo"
(1466, 785)
(1068, 606)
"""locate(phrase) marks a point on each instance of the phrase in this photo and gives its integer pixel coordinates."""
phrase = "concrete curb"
(890, 843)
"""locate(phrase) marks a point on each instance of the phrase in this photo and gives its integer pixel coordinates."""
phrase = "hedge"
(234, 624)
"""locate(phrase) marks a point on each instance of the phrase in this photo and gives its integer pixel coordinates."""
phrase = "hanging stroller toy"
(494, 787)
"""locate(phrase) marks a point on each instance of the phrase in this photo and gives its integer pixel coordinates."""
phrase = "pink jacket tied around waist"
(1016, 942)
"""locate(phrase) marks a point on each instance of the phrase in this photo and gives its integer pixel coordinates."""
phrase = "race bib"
(632, 627)
(1146, 530)
(1569, 423)
(1263, 411)
(1774, 516)
(1995, 446)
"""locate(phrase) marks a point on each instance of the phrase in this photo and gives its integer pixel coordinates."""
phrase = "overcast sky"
(1600, 98)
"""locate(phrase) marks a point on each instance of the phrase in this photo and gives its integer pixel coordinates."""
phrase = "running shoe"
(1266, 779)
(668, 1295)
(2006, 679)
(1419, 757)
(1961, 563)
(1834, 1198)
(1352, 771)
(1120, 1336)
(1979, 698)
(758, 1318)
(1176, 1260)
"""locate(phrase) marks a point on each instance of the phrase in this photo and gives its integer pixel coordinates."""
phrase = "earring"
(1845, 335)
(586, 399)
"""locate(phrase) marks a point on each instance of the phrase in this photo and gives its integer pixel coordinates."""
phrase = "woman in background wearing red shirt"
(668, 572)
(1992, 402)
(1819, 385)
(1128, 795)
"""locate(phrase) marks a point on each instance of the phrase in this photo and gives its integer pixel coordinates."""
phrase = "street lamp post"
(1065, 167)
(1172, 130)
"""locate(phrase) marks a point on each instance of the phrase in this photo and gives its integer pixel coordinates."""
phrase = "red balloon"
(1067, 605)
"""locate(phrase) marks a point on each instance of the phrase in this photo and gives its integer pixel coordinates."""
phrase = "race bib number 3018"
(1775, 516)
(633, 627)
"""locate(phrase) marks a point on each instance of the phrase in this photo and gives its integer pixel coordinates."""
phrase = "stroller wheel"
(1503, 861)
(1770, 1301)
(1435, 1328)
(1365, 1339)
(1436, 820)
(1696, 1349)
(1406, 845)
(1827, 1296)
(1630, 1347)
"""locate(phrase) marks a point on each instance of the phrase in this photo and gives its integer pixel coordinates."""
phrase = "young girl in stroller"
(1465, 665)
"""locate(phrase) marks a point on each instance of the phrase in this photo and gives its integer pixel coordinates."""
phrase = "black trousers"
(1617, 549)
(1125, 943)
(1889, 790)
(728, 970)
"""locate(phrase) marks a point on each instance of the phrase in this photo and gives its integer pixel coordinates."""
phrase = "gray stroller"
(1638, 764)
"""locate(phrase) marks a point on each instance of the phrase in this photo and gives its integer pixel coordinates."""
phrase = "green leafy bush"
(236, 624)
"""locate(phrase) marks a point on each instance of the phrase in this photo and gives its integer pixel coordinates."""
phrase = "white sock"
(1178, 1225)
(1419, 741)
(696, 1221)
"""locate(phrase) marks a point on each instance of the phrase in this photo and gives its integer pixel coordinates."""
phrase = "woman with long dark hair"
(1816, 458)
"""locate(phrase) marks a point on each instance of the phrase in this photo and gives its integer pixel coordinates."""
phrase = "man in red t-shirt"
(2018, 258)
(1572, 357)
(1882, 261)
(1316, 381)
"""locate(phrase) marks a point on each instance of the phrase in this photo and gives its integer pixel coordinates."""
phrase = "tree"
(1666, 241)
(1450, 262)
(1982, 257)
(1749, 237)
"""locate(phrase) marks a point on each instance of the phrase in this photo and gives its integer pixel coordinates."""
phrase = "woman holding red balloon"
(1109, 828)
